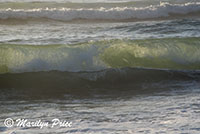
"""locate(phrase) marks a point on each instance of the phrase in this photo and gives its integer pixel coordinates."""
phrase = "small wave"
(168, 53)
(117, 13)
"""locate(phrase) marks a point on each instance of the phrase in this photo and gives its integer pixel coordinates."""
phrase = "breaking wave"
(163, 10)
(107, 66)
(168, 53)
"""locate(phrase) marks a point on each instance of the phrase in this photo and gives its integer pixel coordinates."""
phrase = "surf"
(166, 53)
(163, 10)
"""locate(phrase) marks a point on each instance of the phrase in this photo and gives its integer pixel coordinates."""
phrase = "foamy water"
(116, 13)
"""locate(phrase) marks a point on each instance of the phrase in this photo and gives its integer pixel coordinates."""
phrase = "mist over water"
(107, 66)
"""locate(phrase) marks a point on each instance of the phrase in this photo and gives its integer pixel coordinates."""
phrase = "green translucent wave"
(169, 53)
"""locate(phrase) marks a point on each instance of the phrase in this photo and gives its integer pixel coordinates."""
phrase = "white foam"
(117, 13)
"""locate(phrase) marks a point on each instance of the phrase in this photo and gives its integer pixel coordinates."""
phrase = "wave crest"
(117, 13)
(169, 53)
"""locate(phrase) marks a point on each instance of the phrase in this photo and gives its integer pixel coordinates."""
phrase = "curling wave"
(117, 13)
(168, 53)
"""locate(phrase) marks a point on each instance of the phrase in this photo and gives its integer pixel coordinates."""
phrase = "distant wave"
(169, 53)
(117, 13)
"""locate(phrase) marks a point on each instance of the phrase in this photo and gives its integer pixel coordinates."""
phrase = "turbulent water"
(107, 66)
(70, 13)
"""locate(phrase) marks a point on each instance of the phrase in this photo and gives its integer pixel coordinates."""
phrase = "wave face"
(133, 80)
(169, 53)
(115, 13)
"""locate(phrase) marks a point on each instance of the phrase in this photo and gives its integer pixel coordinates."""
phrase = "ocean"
(100, 66)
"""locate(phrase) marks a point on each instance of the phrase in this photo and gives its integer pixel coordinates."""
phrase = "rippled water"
(58, 32)
(171, 111)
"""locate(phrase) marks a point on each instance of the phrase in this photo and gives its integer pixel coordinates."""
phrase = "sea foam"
(116, 13)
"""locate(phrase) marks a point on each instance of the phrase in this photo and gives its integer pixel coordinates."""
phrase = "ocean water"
(103, 66)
